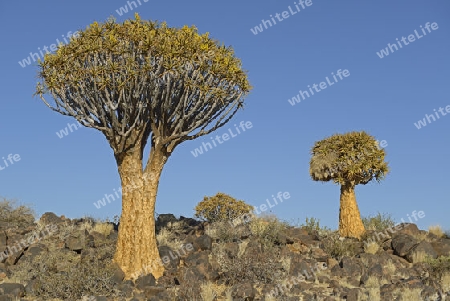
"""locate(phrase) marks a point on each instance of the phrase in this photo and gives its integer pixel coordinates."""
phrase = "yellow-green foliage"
(135, 48)
(351, 158)
(221, 207)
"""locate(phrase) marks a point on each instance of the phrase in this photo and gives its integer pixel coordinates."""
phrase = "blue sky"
(383, 96)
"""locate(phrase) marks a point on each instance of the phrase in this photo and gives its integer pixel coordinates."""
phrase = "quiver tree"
(136, 81)
(348, 159)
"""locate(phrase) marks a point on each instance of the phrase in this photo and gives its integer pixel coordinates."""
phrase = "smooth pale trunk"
(350, 223)
(136, 245)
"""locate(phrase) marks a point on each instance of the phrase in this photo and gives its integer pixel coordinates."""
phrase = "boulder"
(403, 243)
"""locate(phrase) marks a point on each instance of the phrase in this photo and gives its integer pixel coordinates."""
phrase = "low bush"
(221, 207)
(378, 222)
(339, 247)
(15, 216)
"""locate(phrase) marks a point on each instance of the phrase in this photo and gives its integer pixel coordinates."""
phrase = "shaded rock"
(49, 218)
(98, 239)
(351, 267)
(231, 249)
(319, 254)
(163, 220)
(203, 243)
(374, 271)
(153, 291)
(424, 248)
(76, 240)
(145, 281)
(118, 275)
(14, 289)
(243, 292)
(191, 275)
(170, 258)
(403, 243)
(442, 247)
(2, 239)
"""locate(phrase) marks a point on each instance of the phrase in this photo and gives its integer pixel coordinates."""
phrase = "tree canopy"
(141, 77)
(352, 158)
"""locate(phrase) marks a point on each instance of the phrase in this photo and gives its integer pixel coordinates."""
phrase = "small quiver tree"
(348, 160)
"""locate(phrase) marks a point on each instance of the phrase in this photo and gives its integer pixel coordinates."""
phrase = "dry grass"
(103, 228)
(436, 230)
(390, 267)
(208, 292)
(420, 256)
(445, 282)
(371, 248)
(372, 282)
(228, 294)
(409, 294)
(166, 237)
(286, 263)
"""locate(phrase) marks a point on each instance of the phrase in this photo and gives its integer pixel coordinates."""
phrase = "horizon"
(316, 68)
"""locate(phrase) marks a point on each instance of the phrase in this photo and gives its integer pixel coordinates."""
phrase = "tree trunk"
(137, 251)
(350, 223)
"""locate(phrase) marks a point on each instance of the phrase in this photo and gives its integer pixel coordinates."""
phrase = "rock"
(319, 254)
(2, 239)
(49, 218)
(191, 275)
(374, 271)
(118, 275)
(163, 220)
(15, 289)
(403, 243)
(351, 267)
(170, 259)
(98, 239)
(406, 228)
(243, 292)
(231, 249)
(353, 294)
(76, 240)
(302, 236)
(200, 261)
(203, 243)
(424, 248)
(145, 281)
(442, 247)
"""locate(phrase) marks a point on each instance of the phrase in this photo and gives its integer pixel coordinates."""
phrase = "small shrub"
(254, 267)
(338, 247)
(312, 225)
(224, 231)
(379, 222)
(62, 274)
(221, 207)
(267, 229)
(14, 215)
(439, 266)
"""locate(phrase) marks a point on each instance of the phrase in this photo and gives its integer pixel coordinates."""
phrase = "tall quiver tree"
(139, 80)
(348, 159)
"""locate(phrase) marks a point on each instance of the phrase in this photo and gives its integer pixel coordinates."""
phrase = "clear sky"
(385, 95)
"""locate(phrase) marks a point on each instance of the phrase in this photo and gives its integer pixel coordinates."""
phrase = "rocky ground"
(57, 258)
